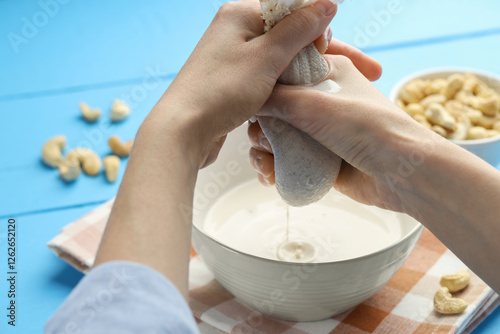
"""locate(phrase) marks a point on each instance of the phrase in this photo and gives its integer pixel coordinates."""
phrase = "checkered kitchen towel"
(404, 305)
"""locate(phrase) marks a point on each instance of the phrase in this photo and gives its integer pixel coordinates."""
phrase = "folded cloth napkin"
(404, 305)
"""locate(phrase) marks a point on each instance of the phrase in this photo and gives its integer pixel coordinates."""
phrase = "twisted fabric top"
(305, 170)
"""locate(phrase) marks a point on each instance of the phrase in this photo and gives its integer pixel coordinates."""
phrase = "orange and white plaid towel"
(404, 305)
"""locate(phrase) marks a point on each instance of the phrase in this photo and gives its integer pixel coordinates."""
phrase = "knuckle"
(342, 62)
(228, 9)
(305, 20)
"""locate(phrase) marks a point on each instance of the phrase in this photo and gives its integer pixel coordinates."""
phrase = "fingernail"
(329, 36)
(264, 142)
(325, 6)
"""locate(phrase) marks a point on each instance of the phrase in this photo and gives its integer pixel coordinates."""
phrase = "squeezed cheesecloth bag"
(305, 170)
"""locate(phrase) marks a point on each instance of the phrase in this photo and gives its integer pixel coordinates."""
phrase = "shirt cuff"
(123, 297)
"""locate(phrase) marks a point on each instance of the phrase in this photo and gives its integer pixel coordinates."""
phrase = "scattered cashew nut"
(119, 148)
(69, 170)
(111, 167)
(456, 282)
(90, 161)
(119, 111)
(90, 115)
(52, 151)
(445, 303)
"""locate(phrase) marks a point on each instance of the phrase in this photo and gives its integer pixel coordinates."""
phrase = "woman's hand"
(261, 155)
(234, 69)
(358, 123)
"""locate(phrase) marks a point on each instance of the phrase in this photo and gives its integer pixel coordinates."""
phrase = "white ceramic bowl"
(300, 292)
(487, 149)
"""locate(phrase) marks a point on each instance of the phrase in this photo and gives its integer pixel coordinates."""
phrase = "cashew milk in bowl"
(337, 254)
(253, 219)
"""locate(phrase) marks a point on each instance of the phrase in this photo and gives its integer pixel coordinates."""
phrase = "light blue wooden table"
(55, 53)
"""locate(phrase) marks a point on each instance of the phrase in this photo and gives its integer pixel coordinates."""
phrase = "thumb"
(299, 29)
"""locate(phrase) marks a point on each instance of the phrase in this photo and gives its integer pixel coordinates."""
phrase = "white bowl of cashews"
(460, 104)
(234, 219)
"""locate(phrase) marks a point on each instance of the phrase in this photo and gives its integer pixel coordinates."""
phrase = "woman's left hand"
(233, 69)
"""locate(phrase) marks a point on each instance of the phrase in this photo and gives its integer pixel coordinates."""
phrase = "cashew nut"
(119, 111)
(111, 167)
(488, 105)
(90, 115)
(414, 108)
(439, 130)
(452, 106)
(69, 170)
(473, 114)
(412, 93)
(464, 97)
(400, 104)
(436, 98)
(492, 133)
(438, 115)
(482, 90)
(90, 161)
(52, 151)
(470, 83)
(456, 282)
(487, 122)
(477, 132)
(444, 302)
(436, 86)
(462, 130)
(455, 83)
(119, 148)
(422, 120)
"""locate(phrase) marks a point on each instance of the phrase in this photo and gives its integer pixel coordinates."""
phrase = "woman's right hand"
(371, 134)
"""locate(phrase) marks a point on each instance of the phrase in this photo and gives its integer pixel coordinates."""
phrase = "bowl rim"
(417, 229)
(447, 70)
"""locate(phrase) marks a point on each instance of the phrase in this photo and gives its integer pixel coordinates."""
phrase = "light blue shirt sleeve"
(123, 297)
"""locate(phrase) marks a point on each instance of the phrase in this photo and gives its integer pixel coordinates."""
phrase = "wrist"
(406, 161)
(171, 128)
(439, 180)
